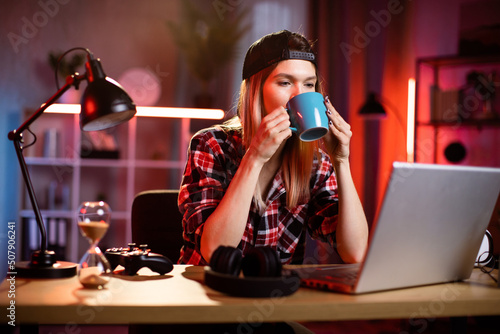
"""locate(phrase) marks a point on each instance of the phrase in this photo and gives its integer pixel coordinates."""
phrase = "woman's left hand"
(338, 138)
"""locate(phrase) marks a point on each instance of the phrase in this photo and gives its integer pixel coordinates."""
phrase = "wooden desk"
(179, 297)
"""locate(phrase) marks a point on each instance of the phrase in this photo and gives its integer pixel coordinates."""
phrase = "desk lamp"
(372, 108)
(104, 104)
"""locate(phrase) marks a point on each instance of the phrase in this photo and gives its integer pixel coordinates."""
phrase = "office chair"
(157, 222)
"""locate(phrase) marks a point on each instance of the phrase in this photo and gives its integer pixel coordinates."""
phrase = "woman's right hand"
(273, 130)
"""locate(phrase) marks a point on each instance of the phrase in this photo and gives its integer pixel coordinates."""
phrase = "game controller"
(133, 258)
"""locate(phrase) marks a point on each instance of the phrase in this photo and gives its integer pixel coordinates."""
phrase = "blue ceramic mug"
(308, 116)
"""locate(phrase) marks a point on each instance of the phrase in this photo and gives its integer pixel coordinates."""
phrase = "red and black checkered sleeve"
(206, 178)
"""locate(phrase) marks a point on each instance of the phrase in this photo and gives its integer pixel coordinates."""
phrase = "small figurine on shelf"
(477, 96)
(99, 145)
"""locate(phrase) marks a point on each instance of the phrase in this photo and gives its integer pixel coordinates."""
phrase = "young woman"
(251, 182)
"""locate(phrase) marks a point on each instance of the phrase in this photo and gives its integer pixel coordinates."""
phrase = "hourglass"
(93, 220)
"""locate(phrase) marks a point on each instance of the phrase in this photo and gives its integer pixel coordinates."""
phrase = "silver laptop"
(428, 230)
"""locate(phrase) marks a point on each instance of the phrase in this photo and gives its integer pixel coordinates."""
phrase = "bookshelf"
(66, 169)
(453, 111)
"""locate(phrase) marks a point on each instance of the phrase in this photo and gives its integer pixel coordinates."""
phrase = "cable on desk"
(487, 266)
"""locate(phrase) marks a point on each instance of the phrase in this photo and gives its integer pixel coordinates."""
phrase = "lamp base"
(60, 269)
(44, 265)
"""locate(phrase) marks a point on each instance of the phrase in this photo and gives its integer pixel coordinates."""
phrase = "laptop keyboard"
(322, 275)
(343, 275)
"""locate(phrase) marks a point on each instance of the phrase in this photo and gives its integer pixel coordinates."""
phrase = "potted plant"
(67, 67)
(207, 42)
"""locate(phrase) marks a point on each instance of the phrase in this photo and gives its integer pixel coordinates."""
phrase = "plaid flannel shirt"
(213, 158)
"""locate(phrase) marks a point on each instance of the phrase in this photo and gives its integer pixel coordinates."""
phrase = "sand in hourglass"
(93, 230)
(91, 277)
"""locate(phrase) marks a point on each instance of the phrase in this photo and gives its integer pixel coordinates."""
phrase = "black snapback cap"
(271, 49)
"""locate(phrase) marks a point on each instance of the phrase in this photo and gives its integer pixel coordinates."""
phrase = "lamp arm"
(16, 137)
(31, 193)
(71, 80)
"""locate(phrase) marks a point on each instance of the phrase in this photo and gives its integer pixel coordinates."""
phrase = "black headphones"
(261, 269)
